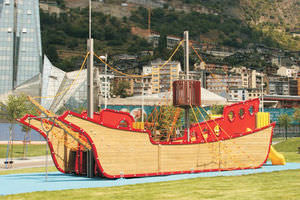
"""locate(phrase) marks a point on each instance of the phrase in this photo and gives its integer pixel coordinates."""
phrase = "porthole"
(242, 113)
(231, 116)
(251, 110)
(123, 124)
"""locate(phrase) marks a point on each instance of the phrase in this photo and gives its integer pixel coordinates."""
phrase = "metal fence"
(292, 131)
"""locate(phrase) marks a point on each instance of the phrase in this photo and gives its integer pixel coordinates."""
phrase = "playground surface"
(33, 182)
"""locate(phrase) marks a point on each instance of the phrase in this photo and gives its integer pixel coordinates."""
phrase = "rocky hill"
(226, 23)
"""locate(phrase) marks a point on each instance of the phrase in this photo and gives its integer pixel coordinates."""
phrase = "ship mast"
(186, 68)
(90, 69)
(90, 90)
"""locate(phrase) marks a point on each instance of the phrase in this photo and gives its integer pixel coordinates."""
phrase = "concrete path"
(20, 163)
(22, 142)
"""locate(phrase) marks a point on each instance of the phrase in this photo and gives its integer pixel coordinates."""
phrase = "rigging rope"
(229, 136)
(198, 124)
(69, 87)
(140, 76)
(212, 74)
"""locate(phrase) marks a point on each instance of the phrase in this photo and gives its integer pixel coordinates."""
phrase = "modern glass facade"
(6, 45)
(20, 42)
(52, 80)
(28, 40)
(61, 89)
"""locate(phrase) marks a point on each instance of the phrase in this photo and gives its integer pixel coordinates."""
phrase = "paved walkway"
(22, 142)
(23, 183)
(19, 163)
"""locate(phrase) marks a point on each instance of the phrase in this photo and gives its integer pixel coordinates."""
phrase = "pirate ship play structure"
(109, 144)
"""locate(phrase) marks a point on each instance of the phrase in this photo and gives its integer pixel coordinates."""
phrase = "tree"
(217, 109)
(297, 115)
(120, 88)
(15, 107)
(285, 121)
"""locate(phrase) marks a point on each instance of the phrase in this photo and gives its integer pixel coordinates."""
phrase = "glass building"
(6, 45)
(21, 60)
(63, 89)
(20, 43)
(28, 40)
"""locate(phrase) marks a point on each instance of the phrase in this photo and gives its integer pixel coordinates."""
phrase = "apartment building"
(220, 83)
(163, 75)
(136, 84)
(241, 94)
(245, 73)
(278, 85)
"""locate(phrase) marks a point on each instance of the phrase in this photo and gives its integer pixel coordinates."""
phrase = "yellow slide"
(276, 157)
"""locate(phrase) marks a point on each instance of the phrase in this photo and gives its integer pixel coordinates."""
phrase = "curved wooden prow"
(67, 130)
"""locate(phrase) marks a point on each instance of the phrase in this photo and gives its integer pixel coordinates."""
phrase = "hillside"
(225, 23)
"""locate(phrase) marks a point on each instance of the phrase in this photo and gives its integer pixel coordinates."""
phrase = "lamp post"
(262, 93)
(105, 80)
(143, 88)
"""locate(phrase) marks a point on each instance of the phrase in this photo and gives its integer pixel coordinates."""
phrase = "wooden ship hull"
(127, 152)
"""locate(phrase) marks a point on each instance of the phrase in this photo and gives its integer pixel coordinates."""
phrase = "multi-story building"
(220, 83)
(172, 41)
(215, 67)
(136, 84)
(193, 75)
(245, 73)
(241, 94)
(105, 84)
(293, 87)
(7, 45)
(20, 50)
(288, 72)
(298, 86)
(154, 39)
(278, 85)
(163, 75)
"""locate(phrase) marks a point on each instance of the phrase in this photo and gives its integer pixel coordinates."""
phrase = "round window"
(231, 116)
(242, 113)
(251, 110)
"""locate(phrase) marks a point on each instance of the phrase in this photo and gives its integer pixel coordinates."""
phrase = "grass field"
(289, 145)
(275, 185)
(33, 150)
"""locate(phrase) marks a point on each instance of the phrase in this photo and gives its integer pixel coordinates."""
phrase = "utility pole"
(90, 70)
(186, 68)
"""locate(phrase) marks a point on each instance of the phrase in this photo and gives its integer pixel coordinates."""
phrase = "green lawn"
(278, 139)
(275, 185)
(289, 145)
(33, 150)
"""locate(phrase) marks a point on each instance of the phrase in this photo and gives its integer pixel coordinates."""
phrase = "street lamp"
(143, 88)
(105, 80)
(262, 93)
